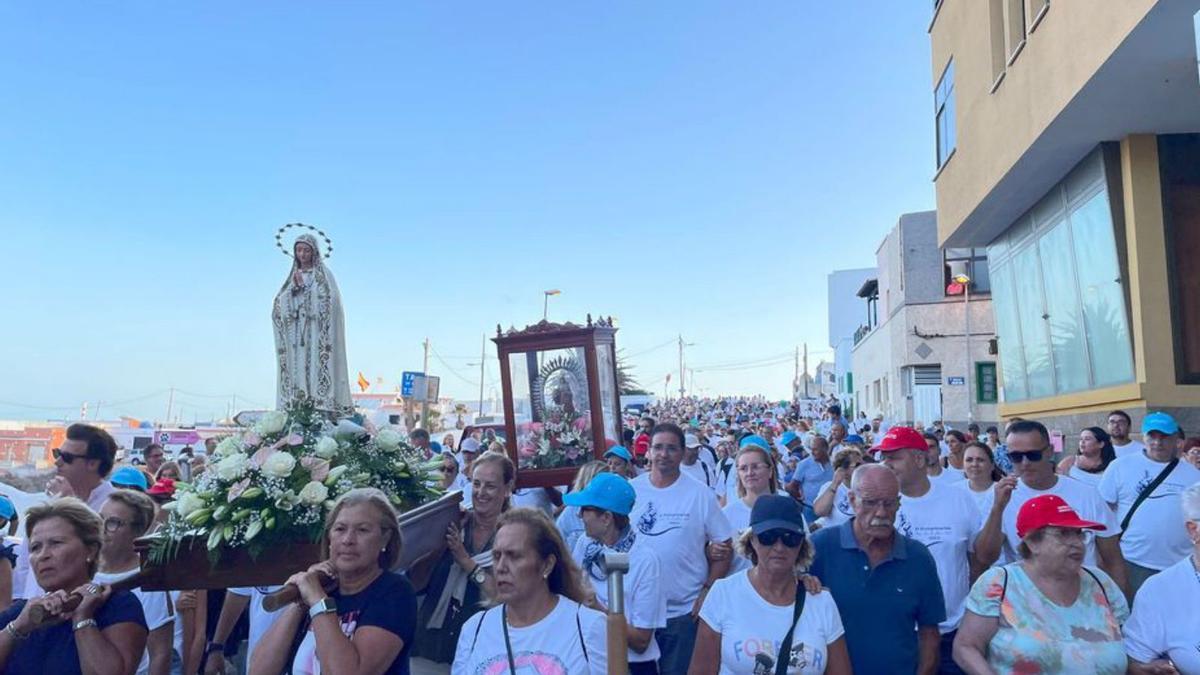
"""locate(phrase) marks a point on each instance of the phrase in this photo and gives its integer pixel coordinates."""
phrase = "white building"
(914, 358)
(846, 314)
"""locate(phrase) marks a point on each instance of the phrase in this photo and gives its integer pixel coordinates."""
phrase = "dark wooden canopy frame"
(544, 336)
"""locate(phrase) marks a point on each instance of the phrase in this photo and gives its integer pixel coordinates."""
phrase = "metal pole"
(682, 382)
(545, 305)
(616, 565)
(425, 401)
(482, 357)
(970, 364)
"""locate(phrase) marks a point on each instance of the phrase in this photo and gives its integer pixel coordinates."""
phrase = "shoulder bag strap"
(512, 664)
(579, 630)
(1162, 475)
(784, 656)
(1098, 583)
(478, 626)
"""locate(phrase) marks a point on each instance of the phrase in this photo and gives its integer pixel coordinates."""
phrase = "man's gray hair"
(1190, 500)
(863, 472)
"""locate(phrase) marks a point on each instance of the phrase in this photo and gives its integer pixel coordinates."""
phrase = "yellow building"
(1068, 144)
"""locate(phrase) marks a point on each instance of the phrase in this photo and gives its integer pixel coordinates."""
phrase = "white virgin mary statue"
(310, 334)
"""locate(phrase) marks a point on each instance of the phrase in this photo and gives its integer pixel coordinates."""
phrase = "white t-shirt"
(949, 476)
(738, 515)
(947, 521)
(1086, 477)
(645, 603)
(1156, 537)
(21, 571)
(701, 473)
(1131, 448)
(260, 619)
(154, 606)
(752, 629)
(842, 510)
(533, 498)
(677, 521)
(549, 647)
(1083, 498)
(982, 499)
(727, 481)
(1164, 620)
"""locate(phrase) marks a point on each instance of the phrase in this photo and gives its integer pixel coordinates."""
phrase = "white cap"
(691, 441)
(469, 445)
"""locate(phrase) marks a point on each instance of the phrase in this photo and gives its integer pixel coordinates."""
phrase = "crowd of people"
(758, 537)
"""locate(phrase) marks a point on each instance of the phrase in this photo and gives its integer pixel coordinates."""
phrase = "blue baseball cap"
(619, 451)
(854, 439)
(1160, 422)
(435, 447)
(776, 512)
(608, 492)
(754, 439)
(7, 510)
(788, 437)
(127, 476)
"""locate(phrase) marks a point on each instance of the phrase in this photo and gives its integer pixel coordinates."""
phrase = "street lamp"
(546, 301)
(965, 280)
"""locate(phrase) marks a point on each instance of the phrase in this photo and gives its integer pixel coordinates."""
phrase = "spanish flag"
(363, 383)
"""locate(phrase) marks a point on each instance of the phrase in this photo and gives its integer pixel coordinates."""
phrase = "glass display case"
(561, 404)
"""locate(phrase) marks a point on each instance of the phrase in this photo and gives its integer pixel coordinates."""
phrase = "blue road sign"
(406, 382)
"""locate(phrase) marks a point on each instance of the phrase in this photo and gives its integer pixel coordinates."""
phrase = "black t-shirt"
(389, 603)
(53, 650)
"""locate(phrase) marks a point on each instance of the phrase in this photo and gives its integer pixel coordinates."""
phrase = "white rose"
(279, 465)
(187, 503)
(326, 448)
(271, 422)
(388, 439)
(313, 493)
(228, 446)
(233, 466)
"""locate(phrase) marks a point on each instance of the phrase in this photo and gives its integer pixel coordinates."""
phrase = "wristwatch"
(478, 575)
(86, 623)
(325, 606)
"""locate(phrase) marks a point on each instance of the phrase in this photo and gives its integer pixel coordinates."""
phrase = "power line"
(651, 349)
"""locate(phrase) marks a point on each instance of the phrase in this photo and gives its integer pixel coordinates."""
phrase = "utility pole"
(425, 399)
(805, 370)
(482, 360)
(682, 388)
(796, 377)
(170, 403)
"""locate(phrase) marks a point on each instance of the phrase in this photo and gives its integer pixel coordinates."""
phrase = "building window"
(986, 388)
(1179, 163)
(970, 261)
(943, 106)
(1057, 293)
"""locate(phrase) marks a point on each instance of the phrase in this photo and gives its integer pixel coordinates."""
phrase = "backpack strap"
(579, 631)
(478, 626)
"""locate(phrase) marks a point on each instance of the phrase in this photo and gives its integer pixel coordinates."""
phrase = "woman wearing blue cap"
(604, 507)
(751, 618)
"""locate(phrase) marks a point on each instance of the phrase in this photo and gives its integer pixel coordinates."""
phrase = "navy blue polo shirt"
(882, 607)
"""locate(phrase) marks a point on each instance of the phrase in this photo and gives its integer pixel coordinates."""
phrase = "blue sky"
(687, 167)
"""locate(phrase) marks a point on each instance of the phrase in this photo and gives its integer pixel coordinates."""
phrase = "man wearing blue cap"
(604, 507)
(1145, 490)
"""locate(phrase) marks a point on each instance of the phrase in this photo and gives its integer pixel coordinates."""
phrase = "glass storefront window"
(1106, 325)
(1008, 328)
(1039, 372)
(1062, 304)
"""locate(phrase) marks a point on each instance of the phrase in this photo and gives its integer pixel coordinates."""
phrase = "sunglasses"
(1031, 456)
(790, 539)
(66, 457)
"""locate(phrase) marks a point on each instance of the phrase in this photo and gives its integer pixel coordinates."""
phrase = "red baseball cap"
(901, 438)
(641, 444)
(1050, 511)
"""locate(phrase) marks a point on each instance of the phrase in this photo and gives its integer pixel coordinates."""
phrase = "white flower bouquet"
(276, 483)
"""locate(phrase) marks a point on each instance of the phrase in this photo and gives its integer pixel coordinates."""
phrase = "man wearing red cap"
(1034, 475)
(945, 519)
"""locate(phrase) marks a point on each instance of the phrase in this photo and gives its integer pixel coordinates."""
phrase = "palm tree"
(626, 383)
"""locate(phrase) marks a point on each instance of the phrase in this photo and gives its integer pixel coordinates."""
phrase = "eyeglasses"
(747, 468)
(66, 457)
(113, 524)
(1031, 456)
(789, 539)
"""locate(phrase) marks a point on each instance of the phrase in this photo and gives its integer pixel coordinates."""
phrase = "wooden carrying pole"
(39, 615)
(616, 565)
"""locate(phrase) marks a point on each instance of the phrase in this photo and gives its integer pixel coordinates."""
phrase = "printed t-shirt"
(1156, 537)
(389, 603)
(53, 650)
(551, 646)
(842, 511)
(645, 603)
(1165, 620)
(947, 521)
(752, 629)
(154, 608)
(1037, 635)
(677, 521)
(1084, 499)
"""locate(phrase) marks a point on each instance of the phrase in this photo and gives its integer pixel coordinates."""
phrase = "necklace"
(1195, 568)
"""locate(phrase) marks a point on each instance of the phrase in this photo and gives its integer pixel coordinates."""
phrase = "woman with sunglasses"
(749, 619)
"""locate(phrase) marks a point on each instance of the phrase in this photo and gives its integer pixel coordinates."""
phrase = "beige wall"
(994, 129)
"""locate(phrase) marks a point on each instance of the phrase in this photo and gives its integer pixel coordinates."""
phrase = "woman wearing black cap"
(751, 617)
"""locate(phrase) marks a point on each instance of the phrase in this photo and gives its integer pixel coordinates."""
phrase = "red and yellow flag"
(363, 383)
